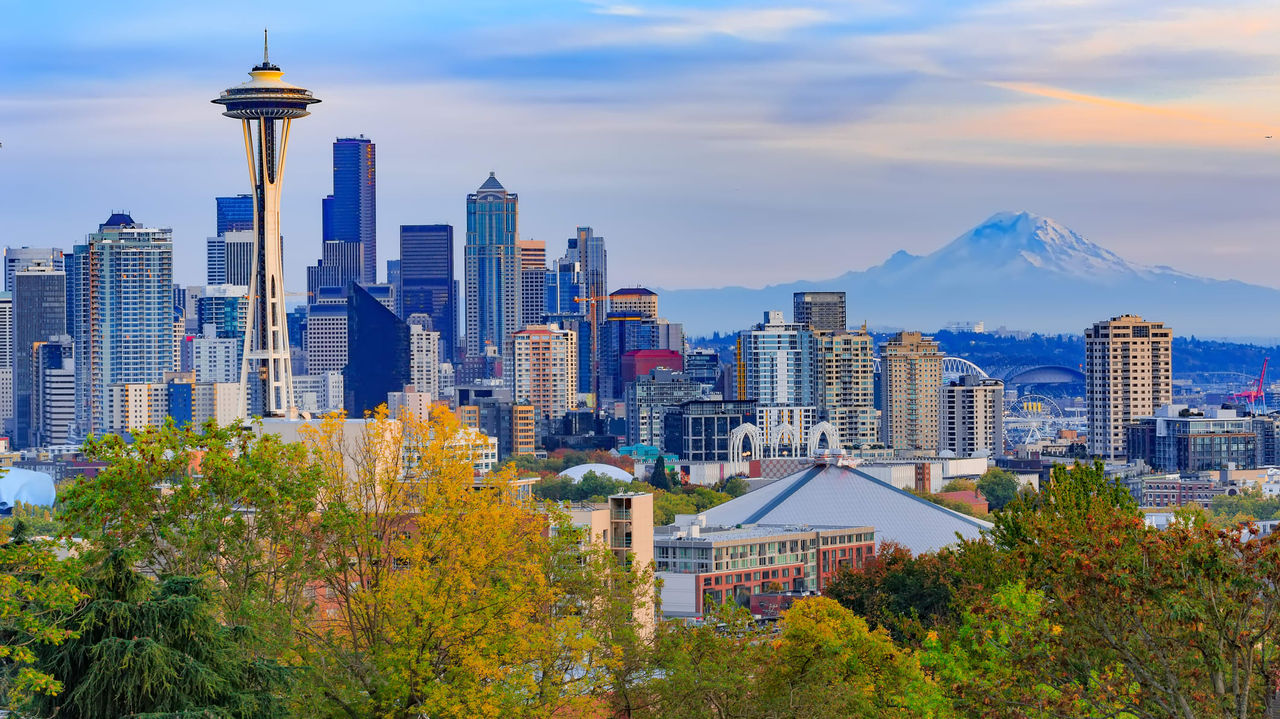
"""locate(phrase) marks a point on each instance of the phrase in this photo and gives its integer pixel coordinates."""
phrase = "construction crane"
(592, 303)
(1256, 397)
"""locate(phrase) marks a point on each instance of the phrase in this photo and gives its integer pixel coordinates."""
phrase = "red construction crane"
(1258, 393)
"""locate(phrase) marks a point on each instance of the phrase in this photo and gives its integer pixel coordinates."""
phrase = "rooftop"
(756, 531)
(492, 183)
(835, 495)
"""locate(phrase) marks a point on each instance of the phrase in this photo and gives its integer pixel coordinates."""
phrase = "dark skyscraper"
(426, 280)
(377, 353)
(39, 312)
(234, 213)
(492, 268)
(351, 214)
(819, 311)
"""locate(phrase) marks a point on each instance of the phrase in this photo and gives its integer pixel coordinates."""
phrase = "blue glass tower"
(492, 267)
(426, 280)
(234, 213)
(351, 214)
(377, 353)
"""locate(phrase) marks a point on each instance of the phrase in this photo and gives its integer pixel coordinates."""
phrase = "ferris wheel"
(1032, 418)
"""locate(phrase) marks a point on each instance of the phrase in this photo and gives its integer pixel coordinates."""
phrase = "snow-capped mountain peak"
(1007, 241)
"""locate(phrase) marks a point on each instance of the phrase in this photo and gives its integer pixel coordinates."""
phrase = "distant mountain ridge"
(1016, 269)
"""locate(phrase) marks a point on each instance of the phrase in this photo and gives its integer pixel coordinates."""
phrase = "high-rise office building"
(911, 375)
(350, 213)
(325, 338)
(533, 281)
(377, 352)
(229, 258)
(270, 105)
(848, 386)
(235, 214)
(637, 301)
(20, 258)
(545, 370)
(1128, 374)
(426, 280)
(53, 397)
(121, 283)
(819, 311)
(6, 363)
(393, 279)
(651, 397)
(424, 355)
(587, 249)
(39, 312)
(777, 363)
(492, 267)
(564, 284)
(971, 417)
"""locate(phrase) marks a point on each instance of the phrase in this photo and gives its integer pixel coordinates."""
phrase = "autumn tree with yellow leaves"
(444, 596)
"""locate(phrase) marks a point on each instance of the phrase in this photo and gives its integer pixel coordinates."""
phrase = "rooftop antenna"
(265, 61)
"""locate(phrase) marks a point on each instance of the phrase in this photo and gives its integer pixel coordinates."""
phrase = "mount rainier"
(1015, 269)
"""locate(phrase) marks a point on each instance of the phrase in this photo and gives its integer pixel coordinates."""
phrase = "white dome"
(604, 470)
(27, 486)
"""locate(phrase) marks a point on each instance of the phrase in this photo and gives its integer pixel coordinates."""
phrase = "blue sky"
(711, 143)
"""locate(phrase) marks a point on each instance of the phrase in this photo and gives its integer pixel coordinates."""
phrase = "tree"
(439, 597)
(142, 649)
(210, 501)
(36, 590)
(823, 662)
(998, 487)
(666, 505)
(735, 487)
(906, 595)
(1181, 622)
(658, 477)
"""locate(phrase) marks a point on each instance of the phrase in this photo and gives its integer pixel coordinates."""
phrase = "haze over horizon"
(821, 136)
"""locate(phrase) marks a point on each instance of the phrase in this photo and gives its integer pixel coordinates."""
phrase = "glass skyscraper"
(377, 353)
(235, 214)
(350, 213)
(492, 268)
(121, 288)
(39, 312)
(426, 280)
(587, 249)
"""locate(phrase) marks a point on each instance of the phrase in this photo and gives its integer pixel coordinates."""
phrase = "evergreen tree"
(658, 478)
(154, 649)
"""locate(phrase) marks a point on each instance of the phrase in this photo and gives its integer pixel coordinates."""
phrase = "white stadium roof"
(843, 496)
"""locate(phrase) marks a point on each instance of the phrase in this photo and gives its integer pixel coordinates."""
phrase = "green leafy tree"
(37, 590)
(213, 501)
(999, 487)
(905, 594)
(735, 487)
(823, 662)
(666, 505)
(143, 649)
(1181, 622)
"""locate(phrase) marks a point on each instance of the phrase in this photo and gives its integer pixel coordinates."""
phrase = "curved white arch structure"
(737, 462)
(820, 430)
(953, 367)
(785, 432)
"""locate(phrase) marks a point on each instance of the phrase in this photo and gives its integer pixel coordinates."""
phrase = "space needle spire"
(265, 107)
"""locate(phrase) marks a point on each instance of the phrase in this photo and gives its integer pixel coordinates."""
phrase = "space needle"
(271, 104)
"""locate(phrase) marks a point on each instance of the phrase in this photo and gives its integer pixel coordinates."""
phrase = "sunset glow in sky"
(698, 138)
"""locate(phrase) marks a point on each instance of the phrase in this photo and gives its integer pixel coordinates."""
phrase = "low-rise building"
(1180, 439)
(1172, 490)
(699, 564)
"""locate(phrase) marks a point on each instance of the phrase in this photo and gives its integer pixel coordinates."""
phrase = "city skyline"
(725, 115)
